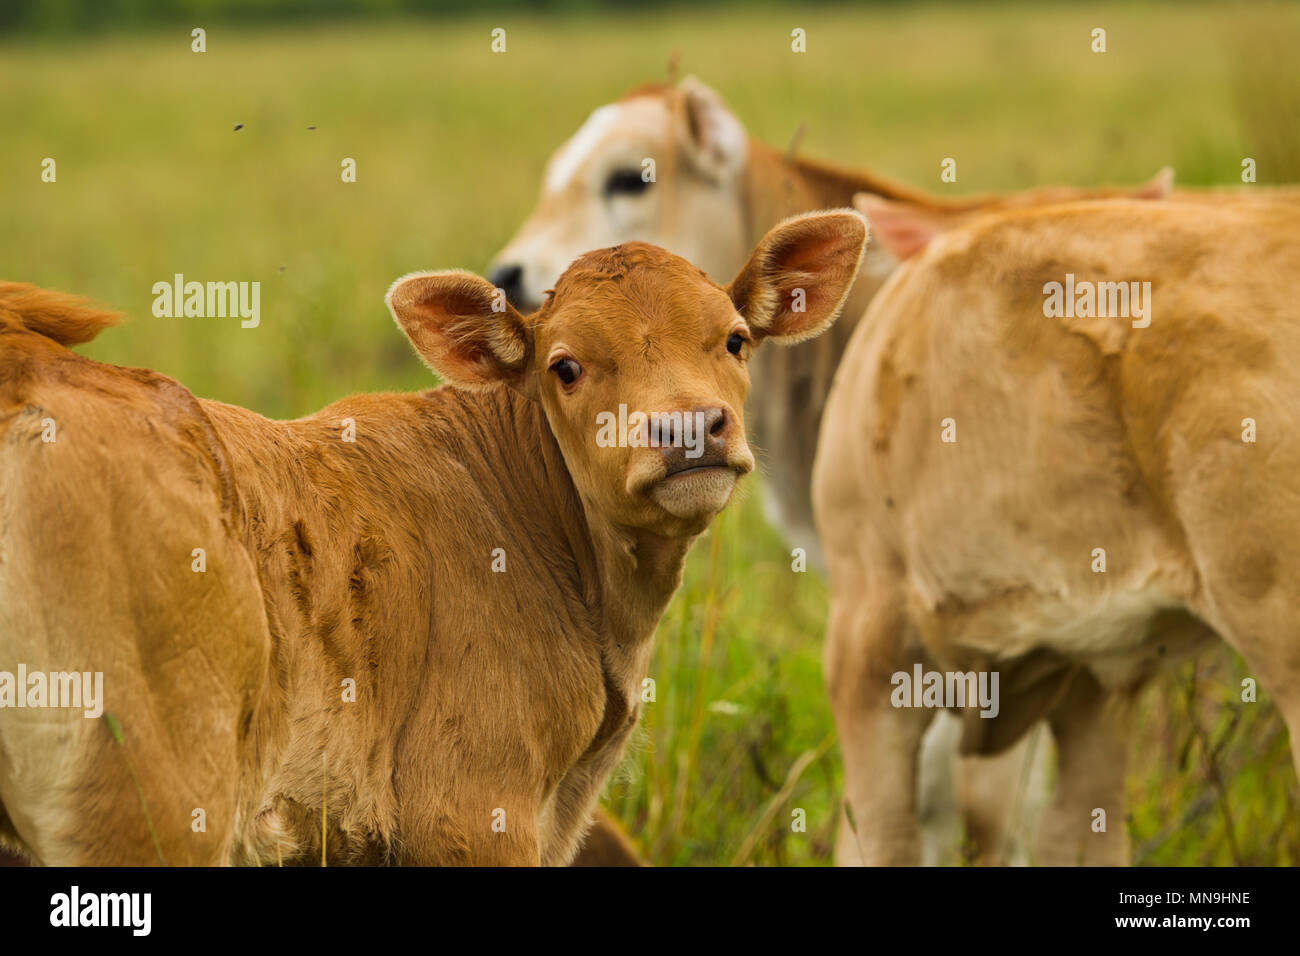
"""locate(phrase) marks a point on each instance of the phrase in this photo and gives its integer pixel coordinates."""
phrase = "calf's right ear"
(463, 328)
(796, 281)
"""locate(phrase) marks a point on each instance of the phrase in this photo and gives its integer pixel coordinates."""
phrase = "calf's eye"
(567, 369)
(735, 342)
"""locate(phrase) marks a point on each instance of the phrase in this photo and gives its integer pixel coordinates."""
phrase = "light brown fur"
(1073, 434)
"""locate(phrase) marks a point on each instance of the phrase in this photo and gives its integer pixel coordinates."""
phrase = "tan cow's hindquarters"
(96, 576)
(1068, 501)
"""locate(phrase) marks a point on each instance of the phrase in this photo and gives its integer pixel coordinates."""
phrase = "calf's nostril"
(715, 420)
(509, 279)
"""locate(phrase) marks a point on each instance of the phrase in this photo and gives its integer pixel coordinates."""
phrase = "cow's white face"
(664, 166)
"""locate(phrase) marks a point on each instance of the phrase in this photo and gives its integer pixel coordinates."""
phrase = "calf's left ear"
(795, 283)
(463, 328)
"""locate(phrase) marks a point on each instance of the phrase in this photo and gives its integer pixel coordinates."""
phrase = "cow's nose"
(716, 423)
(509, 279)
(708, 422)
(703, 443)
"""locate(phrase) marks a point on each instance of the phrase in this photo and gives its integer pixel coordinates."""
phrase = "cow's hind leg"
(121, 573)
(1237, 504)
(1262, 628)
(122, 802)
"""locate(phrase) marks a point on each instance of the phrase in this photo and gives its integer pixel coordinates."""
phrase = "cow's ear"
(796, 281)
(902, 228)
(1160, 186)
(712, 138)
(463, 328)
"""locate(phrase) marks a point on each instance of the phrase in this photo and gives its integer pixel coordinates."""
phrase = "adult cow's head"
(636, 329)
(663, 165)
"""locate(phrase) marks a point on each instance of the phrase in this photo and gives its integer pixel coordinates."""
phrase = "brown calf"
(432, 637)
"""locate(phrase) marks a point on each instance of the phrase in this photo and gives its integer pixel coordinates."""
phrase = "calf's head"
(662, 165)
(638, 359)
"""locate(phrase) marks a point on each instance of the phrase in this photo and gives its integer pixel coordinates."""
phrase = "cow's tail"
(67, 319)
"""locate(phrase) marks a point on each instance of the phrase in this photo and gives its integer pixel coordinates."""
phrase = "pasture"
(449, 140)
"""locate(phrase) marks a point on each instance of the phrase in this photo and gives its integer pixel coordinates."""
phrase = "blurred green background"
(450, 141)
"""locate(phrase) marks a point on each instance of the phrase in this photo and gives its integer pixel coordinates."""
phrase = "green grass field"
(450, 141)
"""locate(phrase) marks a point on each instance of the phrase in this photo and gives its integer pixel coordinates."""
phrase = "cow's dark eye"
(568, 370)
(735, 342)
(625, 182)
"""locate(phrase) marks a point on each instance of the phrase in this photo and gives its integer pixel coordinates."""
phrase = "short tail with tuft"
(67, 319)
